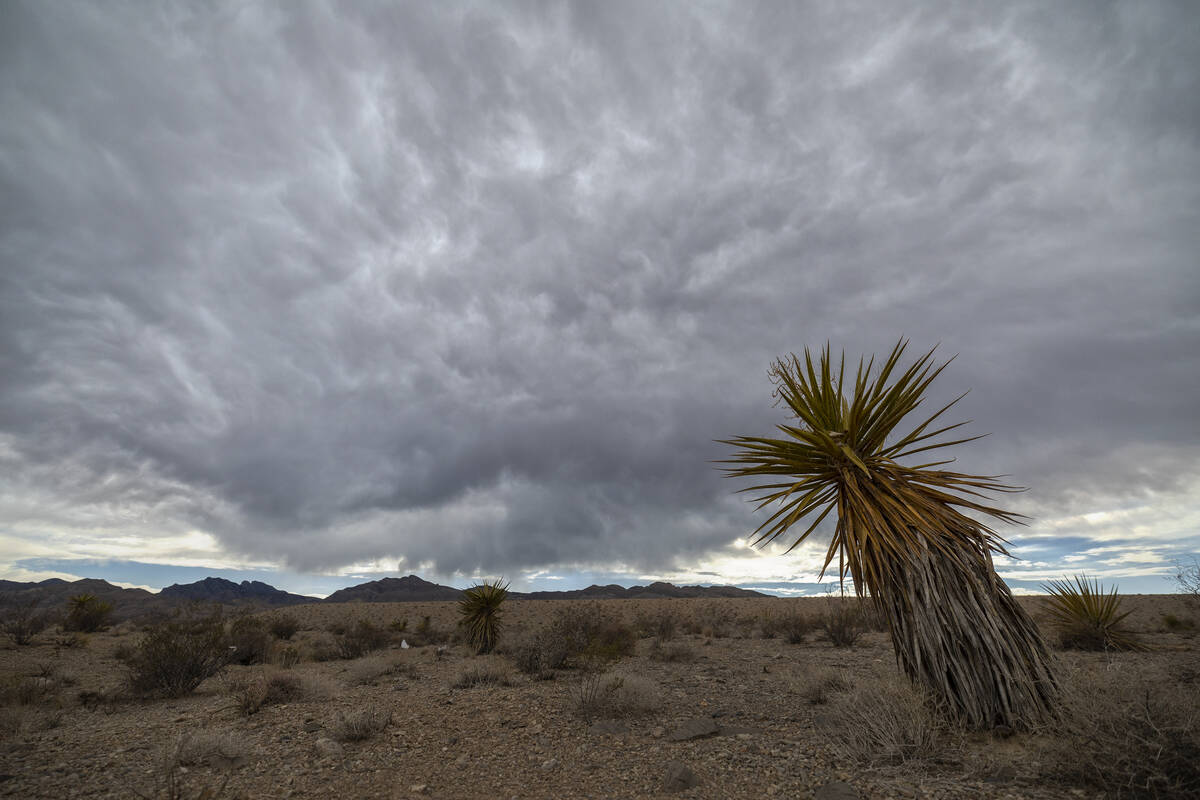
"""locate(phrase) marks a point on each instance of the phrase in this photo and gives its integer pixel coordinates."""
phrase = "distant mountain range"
(52, 594)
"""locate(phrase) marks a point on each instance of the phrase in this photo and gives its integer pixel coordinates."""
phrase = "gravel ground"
(736, 721)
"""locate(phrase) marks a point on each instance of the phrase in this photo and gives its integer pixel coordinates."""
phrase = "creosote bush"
(361, 638)
(23, 621)
(661, 624)
(843, 624)
(576, 636)
(176, 656)
(249, 640)
(284, 626)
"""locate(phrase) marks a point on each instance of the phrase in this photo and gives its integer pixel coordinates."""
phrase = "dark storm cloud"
(476, 286)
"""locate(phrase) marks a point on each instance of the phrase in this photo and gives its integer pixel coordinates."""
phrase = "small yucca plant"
(1087, 618)
(480, 612)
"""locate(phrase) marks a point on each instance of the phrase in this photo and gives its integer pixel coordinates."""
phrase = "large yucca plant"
(479, 611)
(901, 533)
(1087, 618)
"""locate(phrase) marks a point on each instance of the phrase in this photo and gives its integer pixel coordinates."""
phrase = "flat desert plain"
(713, 709)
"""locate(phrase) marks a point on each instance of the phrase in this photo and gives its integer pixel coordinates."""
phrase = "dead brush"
(1127, 732)
(610, 696)
(893, 722)
(357, 726)
(483, 672)
(818, 686)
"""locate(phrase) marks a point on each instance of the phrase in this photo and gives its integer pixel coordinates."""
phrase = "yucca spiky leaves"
(1087, 618)
(902, 531)
(479, 611)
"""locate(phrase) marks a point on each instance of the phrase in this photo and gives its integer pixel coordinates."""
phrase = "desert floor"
(768, 730)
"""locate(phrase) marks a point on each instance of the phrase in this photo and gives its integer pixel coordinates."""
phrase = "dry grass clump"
(252, 692)
(368, 671)
(1126, 732)
(671, 652)
(891, 721)
(819, 685)
(609, 695)
(357, 726)
(483, 672)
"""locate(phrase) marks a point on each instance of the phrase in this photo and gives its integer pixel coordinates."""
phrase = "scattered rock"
(837, 790)
(694, 729)
(312, 727)
(658, 732)
(329, 748)
(419, 788)
(550, 763)
(679, 777)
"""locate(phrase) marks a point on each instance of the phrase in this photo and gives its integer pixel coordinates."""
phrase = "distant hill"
(219, 590)
(52, 595)
(395, 590)
(657, 590)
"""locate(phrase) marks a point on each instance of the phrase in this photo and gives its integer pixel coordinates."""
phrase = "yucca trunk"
(958, 631)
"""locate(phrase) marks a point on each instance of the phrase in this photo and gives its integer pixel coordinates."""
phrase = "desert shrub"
(892, 722)
(671, 652)
(1175, 624)
(712, 620)
(1088, 619)
(25, 690)
(661, 624)
(368, 671)
(23, 621)
(87, 613)
(284, 656)
(607, 695)
(427, 633)
(69, 640)
(1187, 578)
(321, 646)
(480, 614)
(795, 627)
(284, 626)
(398, 625)
(1134, 738)
(575, 636)
(252, 692)
(249, 641)
(175, 657)
(356, 726)
(818, 686)
(842, 624)
(364, 637)
(483, 672)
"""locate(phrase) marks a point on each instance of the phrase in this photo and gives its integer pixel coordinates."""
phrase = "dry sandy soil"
(765, 731)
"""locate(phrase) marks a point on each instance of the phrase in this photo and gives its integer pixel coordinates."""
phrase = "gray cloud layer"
(477, 285)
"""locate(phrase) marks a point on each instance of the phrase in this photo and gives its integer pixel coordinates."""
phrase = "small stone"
(419, 788)
(679, 777)
(550, 763)
(658, 732)
(312, 727)
(329, 748)
(837, 790)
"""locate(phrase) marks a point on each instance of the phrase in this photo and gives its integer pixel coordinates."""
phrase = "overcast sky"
(306, 290)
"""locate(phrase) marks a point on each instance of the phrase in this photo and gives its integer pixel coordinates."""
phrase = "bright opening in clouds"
(470, 289)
